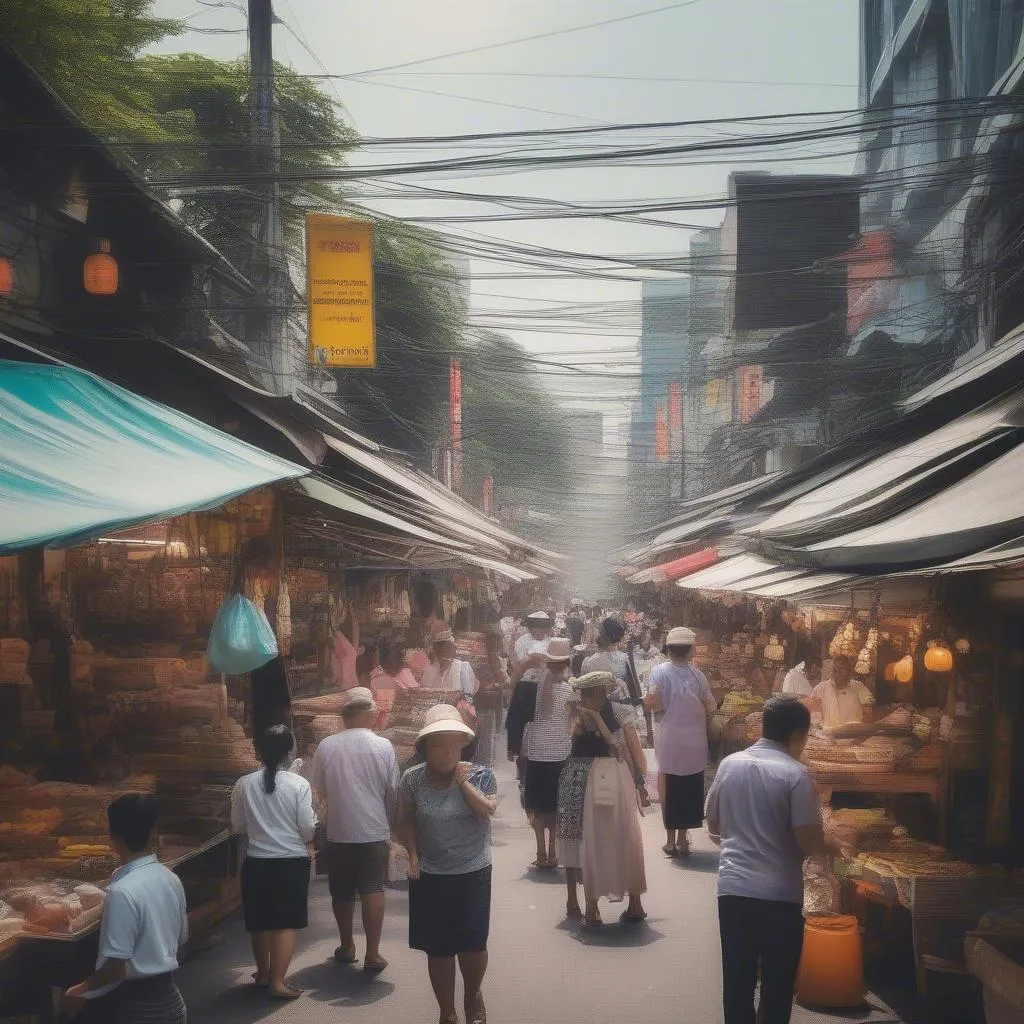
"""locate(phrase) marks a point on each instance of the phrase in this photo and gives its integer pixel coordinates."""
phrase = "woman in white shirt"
(274, 810)
(681, 692)
(548, 742)
(448, 674)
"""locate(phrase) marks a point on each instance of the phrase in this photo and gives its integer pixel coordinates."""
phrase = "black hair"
(612, 631)
(812, 658)
(679, 650)
(843, 657)
(273, 747)
(784, 717)
(132, 819)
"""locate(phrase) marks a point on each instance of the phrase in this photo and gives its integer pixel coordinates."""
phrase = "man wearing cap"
(355, 777)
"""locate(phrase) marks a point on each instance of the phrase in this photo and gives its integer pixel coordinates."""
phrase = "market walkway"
(542, 971)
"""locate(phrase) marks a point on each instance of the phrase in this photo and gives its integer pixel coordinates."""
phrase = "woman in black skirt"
(547, 749)
(446, 805)
(274, 810)
(681, 693)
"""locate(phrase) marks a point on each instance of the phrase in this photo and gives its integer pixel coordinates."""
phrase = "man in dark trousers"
(764, 811)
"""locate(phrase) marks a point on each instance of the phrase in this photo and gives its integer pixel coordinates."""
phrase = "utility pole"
(270, 263)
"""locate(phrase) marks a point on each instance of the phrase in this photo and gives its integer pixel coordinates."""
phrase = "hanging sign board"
(339, 289)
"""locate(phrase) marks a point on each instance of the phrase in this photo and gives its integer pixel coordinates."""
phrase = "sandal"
(540, 862)
(342, 956)
(684, 849)
(259, 981)
(288, 993)
(670, 849)
(627, 918)
(375, 966)
(479, 1013)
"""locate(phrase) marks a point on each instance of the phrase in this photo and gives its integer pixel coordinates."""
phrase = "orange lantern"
(100, 271)
(832, 965)
(6, 276)
(938, 657)
(890, 671)
(904, 670)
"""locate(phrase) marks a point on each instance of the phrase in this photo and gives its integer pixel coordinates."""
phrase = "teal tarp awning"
(80, 456)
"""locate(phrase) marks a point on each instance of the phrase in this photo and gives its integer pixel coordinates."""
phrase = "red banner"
(751, 378)
(660, 434)
(455, 402)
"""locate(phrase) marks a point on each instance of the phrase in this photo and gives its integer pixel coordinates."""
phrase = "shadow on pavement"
(341, 985)
(544, 876)
(613, 934)
(699, 861)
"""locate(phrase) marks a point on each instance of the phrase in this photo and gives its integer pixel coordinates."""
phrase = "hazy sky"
(802, 55)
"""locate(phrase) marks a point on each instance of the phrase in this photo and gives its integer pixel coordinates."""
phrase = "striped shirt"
(548, 738)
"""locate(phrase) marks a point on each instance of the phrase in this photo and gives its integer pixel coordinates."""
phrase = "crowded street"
(544, 969)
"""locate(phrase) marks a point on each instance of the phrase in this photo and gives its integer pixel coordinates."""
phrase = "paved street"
(543, 971)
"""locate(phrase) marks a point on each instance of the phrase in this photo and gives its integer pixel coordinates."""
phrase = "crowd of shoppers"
(578, 738)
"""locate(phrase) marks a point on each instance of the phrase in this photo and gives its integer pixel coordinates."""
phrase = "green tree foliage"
(87, 50)
(512, 426)
(204, 105)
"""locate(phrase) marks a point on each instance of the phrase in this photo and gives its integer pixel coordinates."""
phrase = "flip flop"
(341, 957)
(375, 966)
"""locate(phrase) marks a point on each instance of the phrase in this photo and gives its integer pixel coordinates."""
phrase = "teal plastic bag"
(241, 639)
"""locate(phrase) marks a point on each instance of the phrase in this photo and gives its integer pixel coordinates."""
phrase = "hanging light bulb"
(100, 273)
(6, 276)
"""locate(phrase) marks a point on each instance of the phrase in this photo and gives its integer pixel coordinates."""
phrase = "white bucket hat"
(443, 718)
(358, 697)
(680, 637)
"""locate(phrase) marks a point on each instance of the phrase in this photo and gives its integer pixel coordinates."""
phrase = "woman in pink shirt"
(346, 652)
(390, 679)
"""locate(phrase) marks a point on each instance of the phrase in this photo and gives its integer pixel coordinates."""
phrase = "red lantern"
(100, 271)
(6, 276)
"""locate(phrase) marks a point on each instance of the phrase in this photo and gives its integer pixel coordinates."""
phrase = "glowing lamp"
(100, 271)
(904, 670)
(890, 672)
(938, 657)
(6, 276)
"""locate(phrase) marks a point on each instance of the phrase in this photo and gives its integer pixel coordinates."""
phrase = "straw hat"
(680, 637)
(444, 637)
(594, 679)
(443, 718)
(358, 697)
(538, 617)
(559, 649)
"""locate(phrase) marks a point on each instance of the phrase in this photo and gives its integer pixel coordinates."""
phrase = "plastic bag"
(241, 639)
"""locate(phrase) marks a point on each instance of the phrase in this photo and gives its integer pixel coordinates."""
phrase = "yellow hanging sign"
(339, 290)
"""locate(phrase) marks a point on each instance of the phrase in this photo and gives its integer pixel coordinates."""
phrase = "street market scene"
(511, 512)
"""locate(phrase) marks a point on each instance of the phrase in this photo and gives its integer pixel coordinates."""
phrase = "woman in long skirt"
(599, 821)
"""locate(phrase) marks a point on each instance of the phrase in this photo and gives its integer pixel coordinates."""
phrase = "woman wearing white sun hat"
(682, 693)
(446, 805)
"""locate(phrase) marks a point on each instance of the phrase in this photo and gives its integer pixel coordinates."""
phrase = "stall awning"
(80, 456)
(669, 572)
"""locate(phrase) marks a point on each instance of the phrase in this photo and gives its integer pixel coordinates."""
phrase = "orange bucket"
(832, 965)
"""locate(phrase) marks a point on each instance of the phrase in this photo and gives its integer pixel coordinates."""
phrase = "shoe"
(342, 956)
(479, 1014)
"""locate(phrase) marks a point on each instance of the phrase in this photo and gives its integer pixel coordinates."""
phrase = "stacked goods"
(59, 906)
(130, 674)
(739, 704)
(14, 655)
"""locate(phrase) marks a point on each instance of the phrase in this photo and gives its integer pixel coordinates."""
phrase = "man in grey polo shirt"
(764, 811)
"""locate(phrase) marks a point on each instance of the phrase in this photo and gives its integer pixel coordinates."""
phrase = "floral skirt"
(572, 797)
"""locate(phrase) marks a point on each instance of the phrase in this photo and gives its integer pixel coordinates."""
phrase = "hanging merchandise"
(241, 639)
(938, 657)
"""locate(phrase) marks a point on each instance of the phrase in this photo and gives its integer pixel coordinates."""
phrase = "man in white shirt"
(532, 643)
(355, 776)
(801, 680)
(448, 673)
(764, 811)
(842, 700)
(144, 922)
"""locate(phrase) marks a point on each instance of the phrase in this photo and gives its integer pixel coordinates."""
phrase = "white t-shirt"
(797, 683)
(525, 646)
(277, 824)
(357, 771)
(758, 798)
(144, 921)
(459, 676)
(681, 742)
(842, 707)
